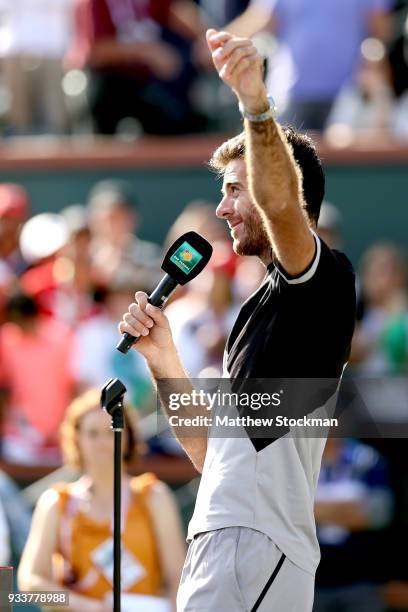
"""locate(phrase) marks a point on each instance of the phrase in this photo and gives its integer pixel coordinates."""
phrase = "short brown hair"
(82, 405)
(305, 154)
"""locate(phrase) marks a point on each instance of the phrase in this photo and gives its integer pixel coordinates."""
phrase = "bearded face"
(250, 237)
(237, 209)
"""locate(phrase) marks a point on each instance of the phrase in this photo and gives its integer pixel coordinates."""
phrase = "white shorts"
(237, 569)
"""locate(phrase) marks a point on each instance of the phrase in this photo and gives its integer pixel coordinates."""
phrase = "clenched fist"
(151, 325)
(240, 66)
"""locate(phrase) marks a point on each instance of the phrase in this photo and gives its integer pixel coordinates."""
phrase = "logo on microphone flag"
(186, 257)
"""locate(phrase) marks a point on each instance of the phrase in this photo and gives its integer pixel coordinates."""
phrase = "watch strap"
(270, 113)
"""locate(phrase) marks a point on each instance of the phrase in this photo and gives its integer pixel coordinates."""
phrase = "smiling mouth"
(235, 225)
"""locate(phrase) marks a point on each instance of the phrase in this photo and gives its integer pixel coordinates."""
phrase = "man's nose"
(224, 208)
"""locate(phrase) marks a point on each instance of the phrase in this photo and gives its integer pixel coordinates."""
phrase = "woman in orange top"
(72, 523)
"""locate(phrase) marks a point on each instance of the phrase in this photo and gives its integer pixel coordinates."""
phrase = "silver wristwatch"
(270, 113)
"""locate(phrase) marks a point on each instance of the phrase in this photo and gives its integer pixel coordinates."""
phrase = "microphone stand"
(112, 402)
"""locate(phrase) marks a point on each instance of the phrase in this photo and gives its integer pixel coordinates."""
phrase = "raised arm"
(274, 178)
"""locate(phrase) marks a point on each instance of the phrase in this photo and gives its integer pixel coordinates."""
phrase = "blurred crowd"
(65, 281)
(125, 68)
(129, 67)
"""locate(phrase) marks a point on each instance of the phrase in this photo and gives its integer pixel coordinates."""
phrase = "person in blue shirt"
(319, 50)
(353, 501)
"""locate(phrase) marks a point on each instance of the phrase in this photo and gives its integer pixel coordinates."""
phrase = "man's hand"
(157, 346)
(240, 66)
(148, 322)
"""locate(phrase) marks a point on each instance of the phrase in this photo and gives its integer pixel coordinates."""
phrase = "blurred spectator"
(380, 344)
(329, 226)
(113, 219)
(72, 523)
(77, 304)
(396, 595)
(5, 552)
(198, 216)
(33, 40)
(353, 500)
(35, 352)
(95, 358)
(49, 276)
(221, 12)
(42, 236)
(137, 53)
(366, 102)
(17, 515)
(14, 208)
(398, 61)
(76, 219)
(60, 275)
(397, 51)
(319, 50)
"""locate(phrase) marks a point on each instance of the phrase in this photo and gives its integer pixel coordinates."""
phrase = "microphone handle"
(157, 298)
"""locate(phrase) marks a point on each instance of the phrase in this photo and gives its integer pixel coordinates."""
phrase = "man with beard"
(253, 540)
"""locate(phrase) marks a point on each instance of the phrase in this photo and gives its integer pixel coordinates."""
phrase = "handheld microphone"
(184, 260)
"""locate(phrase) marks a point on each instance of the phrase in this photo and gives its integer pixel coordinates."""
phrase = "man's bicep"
(292, 240)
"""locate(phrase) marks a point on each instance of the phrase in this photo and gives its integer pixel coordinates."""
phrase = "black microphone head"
(187, 257)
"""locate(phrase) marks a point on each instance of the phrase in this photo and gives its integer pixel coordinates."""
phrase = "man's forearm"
(172, 381)
(273, 175)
